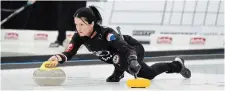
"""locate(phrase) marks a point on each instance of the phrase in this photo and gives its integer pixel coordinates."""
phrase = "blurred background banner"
(161, 26)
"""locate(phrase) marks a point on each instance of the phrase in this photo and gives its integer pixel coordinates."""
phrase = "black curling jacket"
(104, 44)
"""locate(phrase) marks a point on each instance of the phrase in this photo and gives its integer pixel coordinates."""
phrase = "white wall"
(167, 16)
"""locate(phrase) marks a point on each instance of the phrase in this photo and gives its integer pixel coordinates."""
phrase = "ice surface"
(206, 75)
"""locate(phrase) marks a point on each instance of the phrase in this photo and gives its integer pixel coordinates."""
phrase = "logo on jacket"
(116, 59)
(69, 48)
(111, 37)
(101, 53)
(104, 54)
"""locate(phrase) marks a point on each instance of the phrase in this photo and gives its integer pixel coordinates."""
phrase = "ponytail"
(91, 14)
(97, 14)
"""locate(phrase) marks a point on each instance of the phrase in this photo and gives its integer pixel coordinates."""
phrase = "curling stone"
(138, 83)
(49, 76)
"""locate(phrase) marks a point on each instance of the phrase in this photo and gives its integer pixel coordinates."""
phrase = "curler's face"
(83, 27)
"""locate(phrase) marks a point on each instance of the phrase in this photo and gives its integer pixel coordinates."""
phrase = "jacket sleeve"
(71, 49)
(117, 42)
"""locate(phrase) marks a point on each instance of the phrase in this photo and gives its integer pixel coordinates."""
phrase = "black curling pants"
(146, 71)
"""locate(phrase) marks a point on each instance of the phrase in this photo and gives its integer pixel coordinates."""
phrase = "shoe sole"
(185, 72)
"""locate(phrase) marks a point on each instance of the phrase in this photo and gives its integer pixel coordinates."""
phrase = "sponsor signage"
(164, 40)
(41, 36)
(142, 33)
(11, 36)
(198, 40)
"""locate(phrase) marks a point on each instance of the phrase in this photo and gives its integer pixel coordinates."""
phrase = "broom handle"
(16, 12)
(119, 32)
(135, 76)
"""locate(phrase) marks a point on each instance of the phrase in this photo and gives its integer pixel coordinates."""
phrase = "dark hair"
(90, 14)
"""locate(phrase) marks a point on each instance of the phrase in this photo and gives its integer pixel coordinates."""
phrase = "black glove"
(133, 65)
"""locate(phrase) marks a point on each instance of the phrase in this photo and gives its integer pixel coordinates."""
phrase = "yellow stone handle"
(44, 68)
